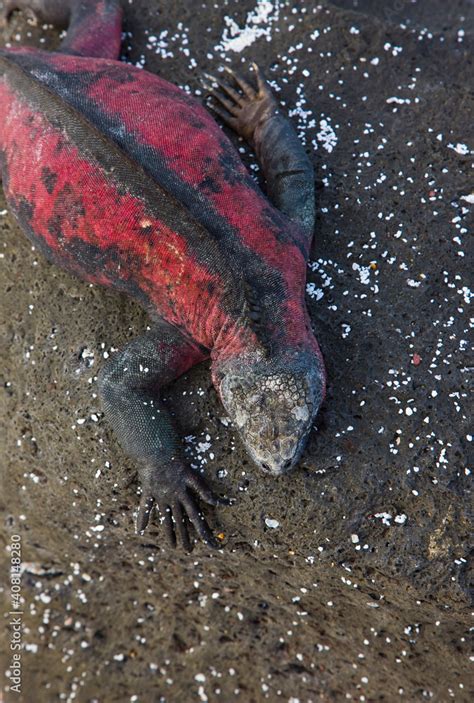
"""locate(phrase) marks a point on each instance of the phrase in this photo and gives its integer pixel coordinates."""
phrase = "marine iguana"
(123, 179)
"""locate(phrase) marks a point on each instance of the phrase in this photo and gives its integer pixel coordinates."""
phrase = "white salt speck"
(398, 101)
(257, 24)
(326, 135)
(88, 356)
(468, 198)
(313, 291)
(270, 522)
(459, 148)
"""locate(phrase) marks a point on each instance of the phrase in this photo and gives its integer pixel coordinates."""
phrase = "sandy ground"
(362, 590)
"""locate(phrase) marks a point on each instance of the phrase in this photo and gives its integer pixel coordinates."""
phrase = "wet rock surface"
(347, 580)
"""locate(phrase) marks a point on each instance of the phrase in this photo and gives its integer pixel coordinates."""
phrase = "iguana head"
(273, 403)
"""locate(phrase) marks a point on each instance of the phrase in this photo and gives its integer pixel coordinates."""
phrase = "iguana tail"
(93, 26)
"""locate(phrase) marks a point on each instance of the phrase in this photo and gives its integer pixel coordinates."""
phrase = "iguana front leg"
(254, 114)
(130, 386)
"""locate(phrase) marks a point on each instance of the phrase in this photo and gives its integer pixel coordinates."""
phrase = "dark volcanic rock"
(361, 592)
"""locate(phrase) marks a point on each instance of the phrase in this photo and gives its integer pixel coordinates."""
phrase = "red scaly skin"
(177, 287)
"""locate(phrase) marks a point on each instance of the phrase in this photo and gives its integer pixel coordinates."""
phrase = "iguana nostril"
(265, 466)
(287, 464)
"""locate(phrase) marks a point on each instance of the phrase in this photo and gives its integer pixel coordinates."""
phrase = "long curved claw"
(166, 517)
(263, 85)
(227, 104)
(199, 485)
(218, 105)
(144, 512)
(199, 522)
(247, 89)
(224, 115)
(181, 526)
(236, 97)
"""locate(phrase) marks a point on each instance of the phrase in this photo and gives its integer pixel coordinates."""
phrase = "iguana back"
(213, 214)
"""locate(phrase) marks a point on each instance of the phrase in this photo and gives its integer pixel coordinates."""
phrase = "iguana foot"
(243, 107)
(173, 490)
